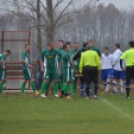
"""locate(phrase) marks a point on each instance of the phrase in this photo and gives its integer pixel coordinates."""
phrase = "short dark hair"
(27, 45)
(131, 43)
(85, 44)
(107, 48)
(88, 47)
(117, 45)
(49, 43)
(68, 43)
(8, 51)
(61, 41)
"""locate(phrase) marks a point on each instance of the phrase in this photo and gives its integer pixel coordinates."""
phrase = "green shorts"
(50, 75)
(67, 75)
(27, 73)
(2, 75)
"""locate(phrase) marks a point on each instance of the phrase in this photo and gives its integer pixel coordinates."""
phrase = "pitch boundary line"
(117, 109)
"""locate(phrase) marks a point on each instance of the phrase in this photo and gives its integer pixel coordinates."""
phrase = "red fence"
(15, 41)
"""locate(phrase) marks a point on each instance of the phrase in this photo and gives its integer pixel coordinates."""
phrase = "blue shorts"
(107, 73)
(119, 74)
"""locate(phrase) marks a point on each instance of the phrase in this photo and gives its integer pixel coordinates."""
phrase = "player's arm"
(76, 56)
(123, 57)
(98, 62)
(81, 65)
(3, 58)
(41, 62)
(73, 67)
(24, 62)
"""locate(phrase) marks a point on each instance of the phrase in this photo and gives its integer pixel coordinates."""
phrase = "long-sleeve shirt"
(116, 59)
(129, 57)
(106, 61)
(89, 58)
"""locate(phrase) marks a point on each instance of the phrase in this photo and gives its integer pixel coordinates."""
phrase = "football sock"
(107, 85)
(87, 90)
(47, 88)
(74, 88)
(115, 86)
(44, 87)
(33, 86)
(23, 87)
(55, 88)
(61, 85)
(1, 88)
(122, 86)
(82, 90)
(128, 89)
(65, 88)
(95, 89)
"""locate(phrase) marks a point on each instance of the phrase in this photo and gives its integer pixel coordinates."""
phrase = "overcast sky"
(119, 3)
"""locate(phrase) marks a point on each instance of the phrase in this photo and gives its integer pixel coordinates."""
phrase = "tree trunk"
(39, 35)
(50, 29)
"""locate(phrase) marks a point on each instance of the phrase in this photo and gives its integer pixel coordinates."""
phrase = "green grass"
(110, 114)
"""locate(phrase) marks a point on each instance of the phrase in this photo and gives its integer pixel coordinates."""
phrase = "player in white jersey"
(106, 65)
(118, 73)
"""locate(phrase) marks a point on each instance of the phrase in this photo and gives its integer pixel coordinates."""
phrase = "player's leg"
(115, 81)
(66, 78)
(109, 79)
(94, 77)
(104, 78)
(87, 79)
(45, 84)
(2, 79)
(55, 83)
(122, 85)
(129, 77)
(73, 82)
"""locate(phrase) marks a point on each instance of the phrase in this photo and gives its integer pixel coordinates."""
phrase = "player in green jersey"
(76, 64)
(60, 77)
(49, 57)
(27, 69)
(3, 57)
(67, 64)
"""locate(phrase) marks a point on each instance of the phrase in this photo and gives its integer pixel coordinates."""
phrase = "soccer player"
(93, 47)
(73, 78)
(77, 58)
(118, 73)
(90, 63)
(3, 57)
(27, 69)
(106, 66)
(49, 57)
(129, 57)
(60, 77)
(67, 64)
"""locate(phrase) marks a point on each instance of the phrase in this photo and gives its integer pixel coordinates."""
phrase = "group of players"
(61, 66)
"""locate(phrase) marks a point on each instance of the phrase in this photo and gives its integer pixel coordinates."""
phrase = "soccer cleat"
(37, 93)
(128, 98)
(43, 96)
(115, 92)
(56, 95)
(87, 98)
(95, 97)
(68, 97)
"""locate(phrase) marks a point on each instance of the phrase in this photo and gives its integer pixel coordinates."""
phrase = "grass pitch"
(110, 114)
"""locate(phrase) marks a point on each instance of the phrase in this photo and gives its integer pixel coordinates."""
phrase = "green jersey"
(59, 57)
(25, 56)
(50, 58)
(72, 54)
(66, 59)
(94, 48)
(3, 59)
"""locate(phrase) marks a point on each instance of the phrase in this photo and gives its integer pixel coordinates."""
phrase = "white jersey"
(116, 59)
(106, 61)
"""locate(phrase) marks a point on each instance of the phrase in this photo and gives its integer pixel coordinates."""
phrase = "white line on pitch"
(117, 109)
